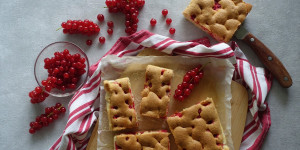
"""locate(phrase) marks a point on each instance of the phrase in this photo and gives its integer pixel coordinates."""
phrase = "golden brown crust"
(120, 104)
(220, 23)
(197, 127)
(155, 140)
(156, 94)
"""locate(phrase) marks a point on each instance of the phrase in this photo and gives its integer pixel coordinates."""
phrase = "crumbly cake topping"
(197, 127)
(219, 18)
(155, 140)
(120, 104)
(156, 94)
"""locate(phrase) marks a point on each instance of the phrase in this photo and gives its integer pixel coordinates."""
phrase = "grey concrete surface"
(26, 27)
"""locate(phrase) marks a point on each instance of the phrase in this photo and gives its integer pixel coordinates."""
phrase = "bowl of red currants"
(61, 69)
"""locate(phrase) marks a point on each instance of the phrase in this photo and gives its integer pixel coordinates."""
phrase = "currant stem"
(58, 28)
(53, 113)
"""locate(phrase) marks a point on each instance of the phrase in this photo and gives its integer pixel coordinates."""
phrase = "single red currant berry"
(200, 74)
(55, 116)
(63, 109)
(57, 105)
(180, 87)
(31, 131)
(50, 119)
(56, 111)
(191, 86)
(47, 110)
(169, 21)
(196, 79)
(186, 78)
(110, 31)
(31, 124)
(180, 98)
(44, 119)
(172, 30)
(100, 17)
(192, 73)
(178, 92)
(63, 24)
(185, 84)
(66, 75)
(38, 89)
(164, 12)
(153, 22)
(48, 88)
(187, 92)
(89, 42)
(102, 39)
(110, 24)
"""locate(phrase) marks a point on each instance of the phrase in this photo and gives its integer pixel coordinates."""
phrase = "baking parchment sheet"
(215, 84)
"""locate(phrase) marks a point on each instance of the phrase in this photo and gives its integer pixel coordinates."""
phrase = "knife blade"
(266, 56)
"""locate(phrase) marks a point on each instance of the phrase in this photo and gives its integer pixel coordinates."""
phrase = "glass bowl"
(41, 73)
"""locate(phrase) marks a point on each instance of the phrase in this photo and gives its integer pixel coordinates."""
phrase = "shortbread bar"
(198, 127)
(120, 104)
(154, 140)
(219, 18)
(156, 94)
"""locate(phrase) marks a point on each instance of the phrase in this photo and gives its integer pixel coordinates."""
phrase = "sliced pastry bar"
(156, 94)
(120, 104)
(219, 18)
(198, 127)
(149, 140)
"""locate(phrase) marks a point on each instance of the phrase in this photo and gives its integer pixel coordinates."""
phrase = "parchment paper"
(215, 84)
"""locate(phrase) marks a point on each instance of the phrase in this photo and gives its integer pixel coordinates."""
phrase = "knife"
(271, 62)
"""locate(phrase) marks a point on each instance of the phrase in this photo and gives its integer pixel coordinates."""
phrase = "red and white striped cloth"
(84, 106)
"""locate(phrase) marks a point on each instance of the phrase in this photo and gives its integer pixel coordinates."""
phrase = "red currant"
(153, 22)
(187, 92)
(102, 39)
(110, 31)
(89, 42)
(168, 21)
(100, 17)
(172, 30)
(31, 131)
(110, 24)
(164, 12)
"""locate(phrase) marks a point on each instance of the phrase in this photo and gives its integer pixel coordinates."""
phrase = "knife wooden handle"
(271, 62)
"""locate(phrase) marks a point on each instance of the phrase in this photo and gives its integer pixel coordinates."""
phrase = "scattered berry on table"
(86, 27)
(51, 114)
(110, 24)
(102, 39)
(153, 22)
(89, 43)
(110, 31)
(164, 12)
(168, 21)
(100, 17)
(172, 30)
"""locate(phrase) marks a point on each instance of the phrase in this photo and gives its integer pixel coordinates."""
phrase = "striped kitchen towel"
(84, 106)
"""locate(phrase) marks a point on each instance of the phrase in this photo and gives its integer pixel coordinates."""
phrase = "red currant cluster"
(130, 9)
(80, 27)
(64, 70)
(51, 114)
(191, 78)
(38, 95)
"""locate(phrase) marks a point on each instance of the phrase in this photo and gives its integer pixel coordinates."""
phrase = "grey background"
(26, 27)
